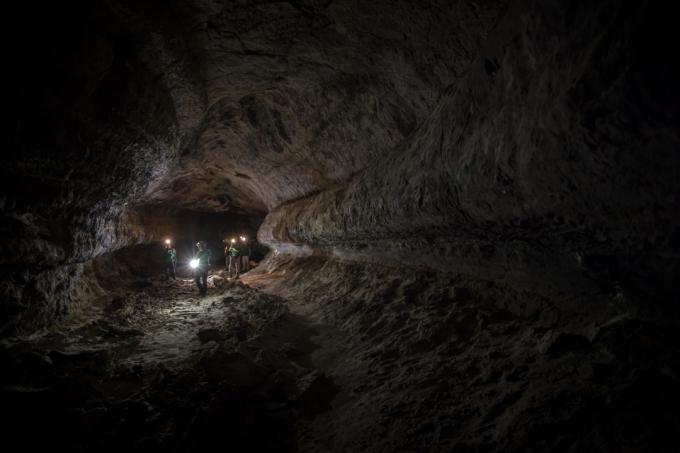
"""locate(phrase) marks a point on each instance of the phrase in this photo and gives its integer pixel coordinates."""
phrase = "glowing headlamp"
(168, 241)
(193, 264)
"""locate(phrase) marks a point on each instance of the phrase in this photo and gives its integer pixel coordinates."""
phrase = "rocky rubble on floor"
(483, 367)
(93, 388)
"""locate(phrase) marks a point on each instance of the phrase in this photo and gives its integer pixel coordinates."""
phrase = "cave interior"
(463, 219)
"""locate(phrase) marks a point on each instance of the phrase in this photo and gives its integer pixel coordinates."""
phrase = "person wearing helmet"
(201, 271)
(226, 252)
(244, 250)
(233, 259)
(169, 262)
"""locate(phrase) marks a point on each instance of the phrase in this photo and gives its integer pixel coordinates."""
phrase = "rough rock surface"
(442, 362)
(145, 375)
(539, 162)
(471, 205)
(206, 106)
(352, 358)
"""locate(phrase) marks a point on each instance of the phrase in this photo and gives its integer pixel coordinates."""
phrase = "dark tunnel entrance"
(184, 228)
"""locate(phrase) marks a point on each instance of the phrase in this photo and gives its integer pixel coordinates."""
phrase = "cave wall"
(91, 125)
(301, 95)
(203, 106)
(523, 140)
(552, 164)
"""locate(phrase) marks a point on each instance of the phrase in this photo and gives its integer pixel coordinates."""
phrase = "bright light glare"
(167, 241)
(233, 240)
(193, 264)
(243, 238)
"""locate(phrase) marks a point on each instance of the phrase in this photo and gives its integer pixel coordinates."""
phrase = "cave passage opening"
(182, 229)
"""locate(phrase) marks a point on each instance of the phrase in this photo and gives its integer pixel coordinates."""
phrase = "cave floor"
(352, 360)
(166, 368)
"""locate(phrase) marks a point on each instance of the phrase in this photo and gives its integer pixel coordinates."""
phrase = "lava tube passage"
(340, 226)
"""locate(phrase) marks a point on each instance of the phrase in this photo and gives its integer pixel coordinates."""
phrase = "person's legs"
(197, 278)
(229, 268)
(244, 264)
(172, 271)
(237, 263)
(204, 281)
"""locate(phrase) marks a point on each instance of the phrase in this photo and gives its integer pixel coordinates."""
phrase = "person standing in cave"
(226, 252)
(169, 262)
(233, 259)
(201, 270)
(244, 250)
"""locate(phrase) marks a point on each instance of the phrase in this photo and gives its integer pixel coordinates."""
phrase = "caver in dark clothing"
(169, 263)
(201, 271)
(233, 261)
(244, 256)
